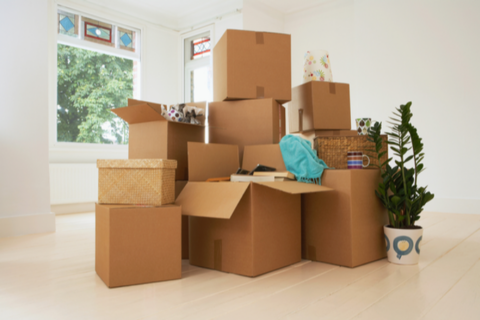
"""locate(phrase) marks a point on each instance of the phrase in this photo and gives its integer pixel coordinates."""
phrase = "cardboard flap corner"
(294, 187)
(211, 199)
(139, 113)
(211, 160)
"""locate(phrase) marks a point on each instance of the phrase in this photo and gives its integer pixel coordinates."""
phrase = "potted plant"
(399, 191)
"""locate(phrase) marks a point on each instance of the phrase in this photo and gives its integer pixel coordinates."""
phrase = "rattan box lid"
(137, 164)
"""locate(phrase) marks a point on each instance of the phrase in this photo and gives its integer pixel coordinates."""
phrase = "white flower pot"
(403, 245)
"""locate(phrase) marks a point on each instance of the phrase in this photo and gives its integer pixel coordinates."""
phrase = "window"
(198, 68)
(97, 69)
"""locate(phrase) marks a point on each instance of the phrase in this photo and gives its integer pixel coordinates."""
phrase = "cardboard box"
(151, 136)
(137, 244)
(246, 122)
(240, 227)
(310, 135)
(345, 226)
(252, 65)
(179, 185)
(320, 105)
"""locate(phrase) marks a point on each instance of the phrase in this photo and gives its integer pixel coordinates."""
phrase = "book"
(283, 179)
(280, 174)
(248, 178)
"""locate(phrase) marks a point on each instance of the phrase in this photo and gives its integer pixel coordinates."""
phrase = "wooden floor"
(51, 276)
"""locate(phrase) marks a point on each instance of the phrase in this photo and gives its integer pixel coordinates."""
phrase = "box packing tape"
(312, 253)
(332, 88)
(259, 37)
(217, 255)
(260, 92)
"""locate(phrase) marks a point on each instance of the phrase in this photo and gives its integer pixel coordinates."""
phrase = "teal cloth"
(301, 160)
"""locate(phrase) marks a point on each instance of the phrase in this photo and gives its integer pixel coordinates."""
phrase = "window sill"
(65, 152)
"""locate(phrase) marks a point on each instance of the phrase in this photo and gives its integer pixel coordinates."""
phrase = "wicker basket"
(145, 182)
(333, 150)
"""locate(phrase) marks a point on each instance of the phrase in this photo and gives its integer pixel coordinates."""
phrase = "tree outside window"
(89, 85)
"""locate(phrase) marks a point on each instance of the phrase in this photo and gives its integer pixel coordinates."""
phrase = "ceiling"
(178, 14)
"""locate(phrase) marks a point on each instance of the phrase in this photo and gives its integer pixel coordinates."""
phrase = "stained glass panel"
(200, 48)
(97, 31)
(126, 39)
(68, 23)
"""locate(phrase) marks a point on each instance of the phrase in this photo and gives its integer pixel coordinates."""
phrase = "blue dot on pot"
(387, 242)
(401, 249)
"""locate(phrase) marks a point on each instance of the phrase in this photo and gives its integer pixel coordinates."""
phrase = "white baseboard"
(27, 224)
(73, 208)
(471, 206)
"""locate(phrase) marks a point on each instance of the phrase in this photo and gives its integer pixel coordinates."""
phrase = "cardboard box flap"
(139, 113)
(294, 187)
(268, 155)
(211, 199)
(211, 160)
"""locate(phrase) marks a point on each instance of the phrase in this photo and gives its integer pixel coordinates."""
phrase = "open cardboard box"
(319, 105)
(246, 122)
(252, 65)
(151, 136)
(241, 227)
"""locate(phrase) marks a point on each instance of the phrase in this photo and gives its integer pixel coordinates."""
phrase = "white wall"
(392, 52)
(24, 182)
(258, 17)
(229, 22)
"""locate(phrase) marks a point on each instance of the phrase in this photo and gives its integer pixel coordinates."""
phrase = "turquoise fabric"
(301, 160)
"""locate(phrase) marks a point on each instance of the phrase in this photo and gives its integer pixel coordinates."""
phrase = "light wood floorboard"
(51, 276)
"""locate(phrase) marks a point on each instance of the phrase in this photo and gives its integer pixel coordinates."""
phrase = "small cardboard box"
(137, 181)
(319, 105)
(240, 227)
(137, 244)
(252, 65)
(179, 185)
(151, 136)
(345, 226)
(246, 122)
(312, 134)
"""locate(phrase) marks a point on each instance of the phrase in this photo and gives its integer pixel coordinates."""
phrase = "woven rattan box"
(136, 181)
(333, 150)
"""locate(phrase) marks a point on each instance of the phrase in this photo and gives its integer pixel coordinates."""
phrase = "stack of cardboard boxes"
(343, 227)
(242, 227)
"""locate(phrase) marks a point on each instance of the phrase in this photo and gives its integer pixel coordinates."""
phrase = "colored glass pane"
(200, 48)
(67, 23)
(126, 39)
(98, 32)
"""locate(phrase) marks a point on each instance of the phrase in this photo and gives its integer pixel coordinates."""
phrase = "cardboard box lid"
(137, 163)
(211, 199)
(211, 160)
(294, 187)
(139, 111)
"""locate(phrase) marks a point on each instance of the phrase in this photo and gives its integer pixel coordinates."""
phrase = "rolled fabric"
(317, 66)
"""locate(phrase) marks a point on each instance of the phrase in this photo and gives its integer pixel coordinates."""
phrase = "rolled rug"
(317, 66)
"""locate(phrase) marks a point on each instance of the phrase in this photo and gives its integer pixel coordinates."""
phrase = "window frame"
(185, 68)
(75, 152)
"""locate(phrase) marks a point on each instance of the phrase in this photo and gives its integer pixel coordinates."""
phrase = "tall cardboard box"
(179, 185)
(137, 244)
(151, 136)
(252, 65)
(240, 227)
(345, 226)
(246, 122)
(319, 105)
